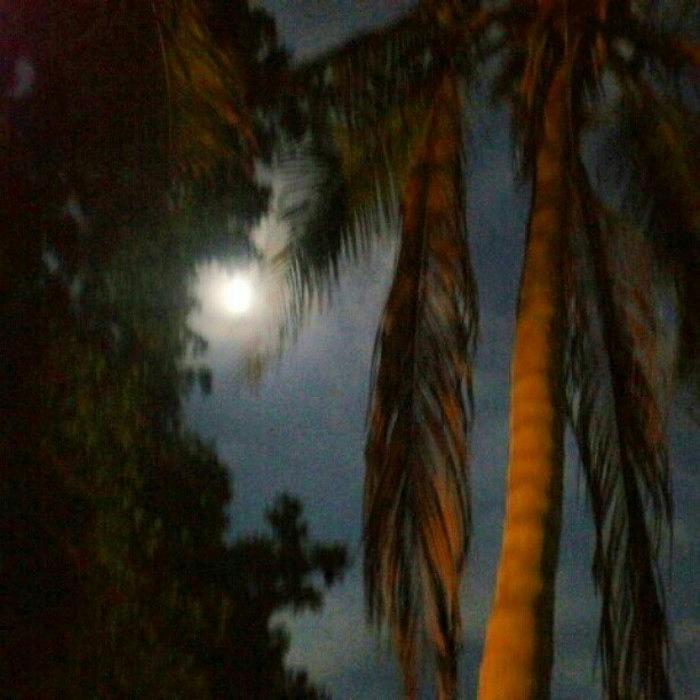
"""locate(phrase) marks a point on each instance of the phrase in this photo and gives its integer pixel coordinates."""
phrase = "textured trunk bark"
(518, 649)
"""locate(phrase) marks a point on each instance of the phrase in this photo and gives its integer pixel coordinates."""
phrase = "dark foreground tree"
(117, 578)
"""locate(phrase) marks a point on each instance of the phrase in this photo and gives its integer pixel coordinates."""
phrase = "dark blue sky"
(302, 429)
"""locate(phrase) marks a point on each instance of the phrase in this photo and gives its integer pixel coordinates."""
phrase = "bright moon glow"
(238, 295)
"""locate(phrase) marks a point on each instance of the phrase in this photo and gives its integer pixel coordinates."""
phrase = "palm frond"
(617, 381)
(375, 159)
(416, 506)
(667, 52)
(656, 151)
(320, 229)
(338, 194)
(370, 74)
(543, 37)
(312, 202)
(367, 104)
(540, 51)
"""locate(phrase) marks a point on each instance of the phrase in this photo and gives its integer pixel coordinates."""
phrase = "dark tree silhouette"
(117, 577)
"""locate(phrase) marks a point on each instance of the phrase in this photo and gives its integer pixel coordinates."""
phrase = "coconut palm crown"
(387, 127)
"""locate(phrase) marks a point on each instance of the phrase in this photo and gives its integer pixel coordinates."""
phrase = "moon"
(238, 295)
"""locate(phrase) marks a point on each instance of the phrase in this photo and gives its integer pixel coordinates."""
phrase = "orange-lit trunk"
(518, 649)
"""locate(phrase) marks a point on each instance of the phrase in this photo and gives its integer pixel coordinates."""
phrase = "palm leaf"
(368, 103)
(539, 48)
(668, 53)
(324, 230)
(375, 159)
(367, 76)
(655, 150)
(312, 202)
(337, 197)
(338, 184)
(416, 507)
(617, 391)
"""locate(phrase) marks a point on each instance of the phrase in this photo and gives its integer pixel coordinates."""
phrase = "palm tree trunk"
(518, 650)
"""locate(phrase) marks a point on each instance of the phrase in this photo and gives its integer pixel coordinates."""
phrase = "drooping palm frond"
(656, 153)
(312, 202)
(375, 158)
(617, 378)
(366, 77)
(666, 51)
(416, 507)
(367, 105)
(340, 185)
(326, 223)
(339, 192)
(582, 35)
(536, 50)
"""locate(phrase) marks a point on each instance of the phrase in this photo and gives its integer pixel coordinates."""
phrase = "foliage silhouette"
(117, 579)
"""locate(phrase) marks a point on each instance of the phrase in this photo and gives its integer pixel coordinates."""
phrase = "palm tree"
(588, 343)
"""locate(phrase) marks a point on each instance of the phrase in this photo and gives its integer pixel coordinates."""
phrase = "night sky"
(302, 429)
